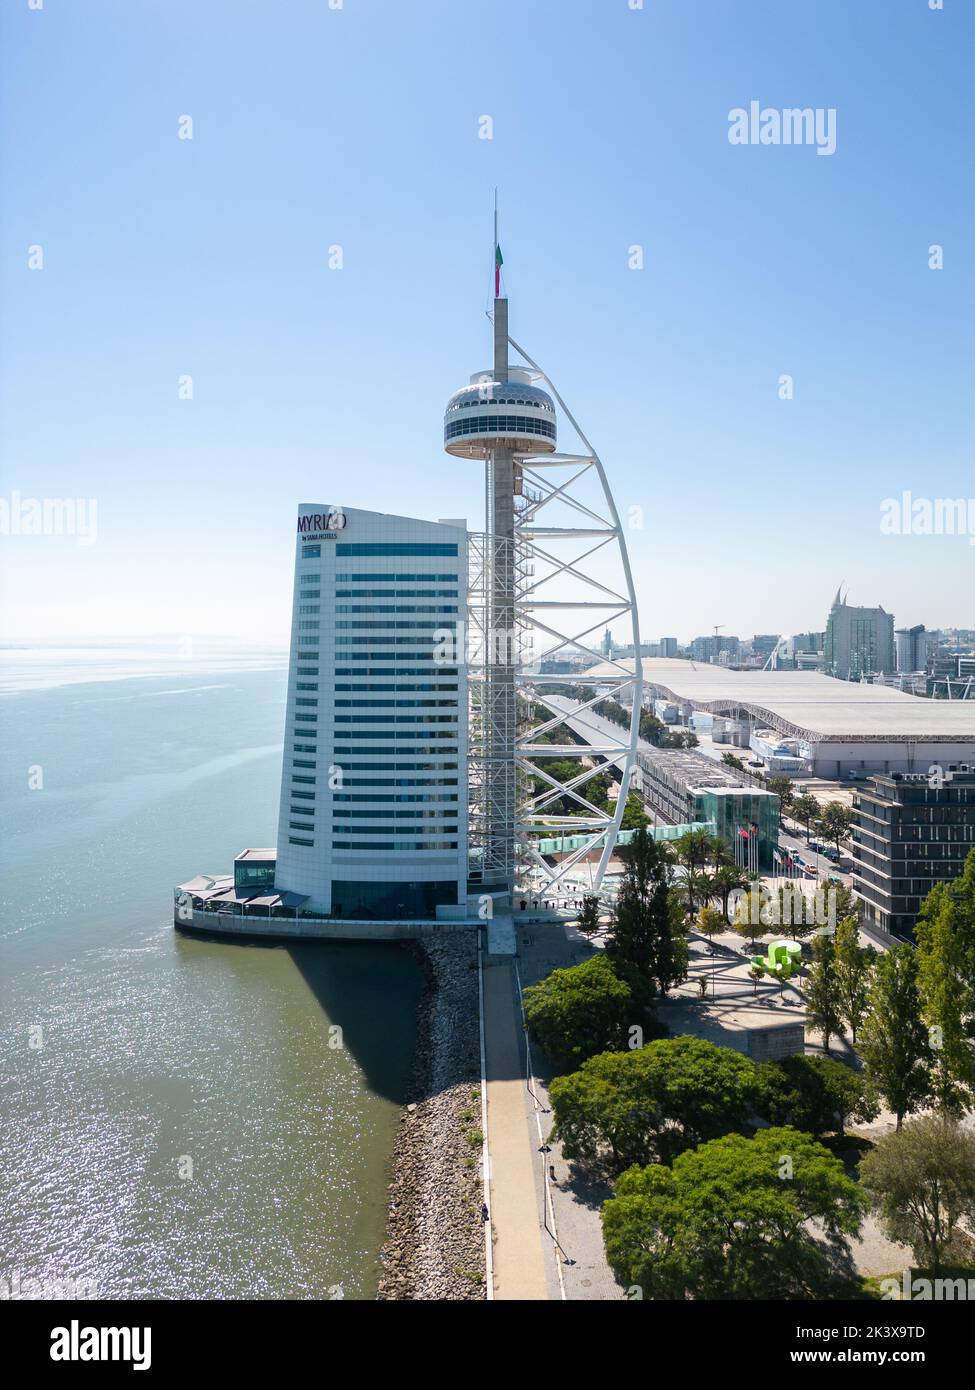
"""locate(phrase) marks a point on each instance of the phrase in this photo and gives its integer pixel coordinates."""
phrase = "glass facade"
(499, 424)
(372, 622)
(909, 836)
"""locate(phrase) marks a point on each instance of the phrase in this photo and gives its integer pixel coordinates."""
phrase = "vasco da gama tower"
(436, 752)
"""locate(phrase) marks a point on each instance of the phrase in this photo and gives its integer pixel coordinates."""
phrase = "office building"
(912, 831)
(682, 786)
(911, 648)
(858, 641)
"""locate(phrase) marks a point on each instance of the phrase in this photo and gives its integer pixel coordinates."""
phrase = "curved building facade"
(373, 814)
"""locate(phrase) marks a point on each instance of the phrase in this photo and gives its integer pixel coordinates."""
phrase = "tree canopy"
(815, 1094)
(893, 1042)
(730, 1220)
(647, 940)
(650, 1104)
(575, 1013)
(922, 1181)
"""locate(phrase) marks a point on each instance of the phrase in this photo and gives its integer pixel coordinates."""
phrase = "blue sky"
(358, 127)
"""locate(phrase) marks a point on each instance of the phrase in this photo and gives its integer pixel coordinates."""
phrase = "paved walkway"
(575, 1256)
(519, 1261)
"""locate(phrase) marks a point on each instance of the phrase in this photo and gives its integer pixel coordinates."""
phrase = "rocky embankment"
(435, 1231)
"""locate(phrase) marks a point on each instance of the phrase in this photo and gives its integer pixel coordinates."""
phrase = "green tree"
(710, 920)
(652, 729)
(749, 920)
(634, 813)
(834, 821)
(839, 901)
(815, 1094)
(731, 1221)
(694, 850)
(650, 1104)
(782, 788)
(588, 920)
(727, 879)
(893, 1041)
(922, 1182)
(680, 738)
(963, 896)
(789, 911)
(732, 760)
(823, 1003)
(944, 1002)
(647, 935)
(805, 808)
(854, 970)
(575, 1013)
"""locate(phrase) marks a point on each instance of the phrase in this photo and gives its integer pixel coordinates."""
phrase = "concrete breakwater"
(435, 1233)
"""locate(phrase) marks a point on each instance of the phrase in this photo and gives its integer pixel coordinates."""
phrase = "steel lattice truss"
(571, 579)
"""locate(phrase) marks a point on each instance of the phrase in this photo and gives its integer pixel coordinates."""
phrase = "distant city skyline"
(229, 304)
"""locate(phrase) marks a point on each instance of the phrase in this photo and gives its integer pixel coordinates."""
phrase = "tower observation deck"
(549, 572)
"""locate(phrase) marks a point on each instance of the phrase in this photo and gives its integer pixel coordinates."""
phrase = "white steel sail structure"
(550, 571)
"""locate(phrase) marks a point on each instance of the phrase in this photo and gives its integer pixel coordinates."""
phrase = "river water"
(176, 1119)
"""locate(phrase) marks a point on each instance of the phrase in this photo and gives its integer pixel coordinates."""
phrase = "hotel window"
(305, 623)
(398, 767)
(387, 608)
(309, 685)
(311, 552)
(309, 607)
(311, 579)
(310, 593)
(303, 762)
(294, 840)
(313, 703)
(304, 747)
(400, 846)
(306, 718)
(398, 627)
(424, 800)
(396, 578)
(395, 704)
(307, 670)
(296, 778)
(304, 796)
(393, 548)
(396, 593)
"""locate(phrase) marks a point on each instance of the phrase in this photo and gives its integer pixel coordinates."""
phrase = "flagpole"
(494, 249)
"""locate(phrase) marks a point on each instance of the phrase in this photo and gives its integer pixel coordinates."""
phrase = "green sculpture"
(781, 962)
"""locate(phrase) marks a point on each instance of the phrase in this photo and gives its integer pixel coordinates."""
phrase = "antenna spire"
(498, 258)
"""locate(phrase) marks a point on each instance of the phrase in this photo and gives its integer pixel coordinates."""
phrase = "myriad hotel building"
(373, 815)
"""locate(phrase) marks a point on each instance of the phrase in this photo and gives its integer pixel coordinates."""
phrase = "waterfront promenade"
(547, 1236)
(519, 1260)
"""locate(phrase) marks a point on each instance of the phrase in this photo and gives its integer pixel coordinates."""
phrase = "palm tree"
(728, 879)
(693, 849)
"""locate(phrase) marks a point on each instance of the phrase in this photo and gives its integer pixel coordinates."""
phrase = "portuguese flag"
(498, 263)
